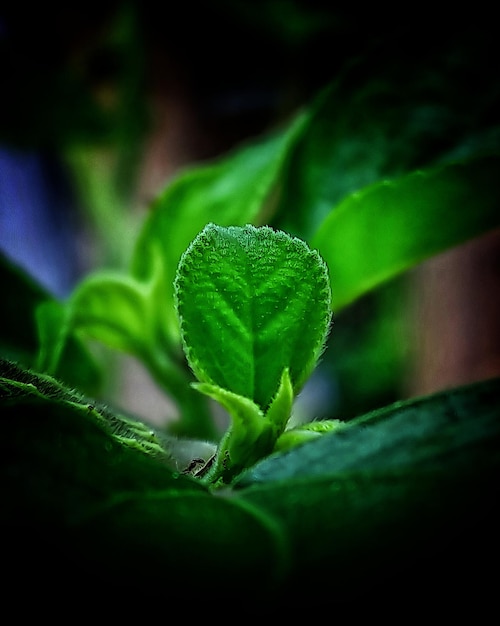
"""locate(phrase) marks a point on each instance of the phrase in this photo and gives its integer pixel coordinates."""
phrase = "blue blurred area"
(38, 222)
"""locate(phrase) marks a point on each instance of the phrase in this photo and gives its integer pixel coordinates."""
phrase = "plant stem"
(195, 420)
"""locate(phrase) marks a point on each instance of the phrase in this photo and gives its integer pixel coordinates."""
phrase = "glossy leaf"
(386, 228)
(252, 302)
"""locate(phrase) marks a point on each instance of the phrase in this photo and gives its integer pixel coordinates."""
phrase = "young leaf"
(135, 311)
(421, 432)
(306, 432)
(251, 303)
(388, 227)
(252, 435)
(249, 438)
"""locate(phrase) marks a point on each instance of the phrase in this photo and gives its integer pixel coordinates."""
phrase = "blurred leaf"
(237, 291)
(21, 296)
(113, 309)
(61, 353)
(30, 321)
(370, 351)
(121, 312)
(386, 228)
(416, 480)
(231, 191)
(384, 115)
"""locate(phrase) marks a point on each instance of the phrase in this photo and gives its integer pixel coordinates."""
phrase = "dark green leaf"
(370, 505)
(18, 385)
(89, 491)
(21, 296)
(185, 540)
(30, 324)
(385, 115)
(419, 432)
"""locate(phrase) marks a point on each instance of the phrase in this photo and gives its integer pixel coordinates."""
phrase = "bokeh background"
(103, 104)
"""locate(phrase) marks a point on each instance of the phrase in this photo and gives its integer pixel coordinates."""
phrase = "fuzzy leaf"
(280, 409)
(83, 490)
(249, 438)
(252, 435)
(252, 302)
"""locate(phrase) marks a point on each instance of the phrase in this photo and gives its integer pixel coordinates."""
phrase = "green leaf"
(249, 438)
(121, 312)
(252, 302)
(306, 432)
(280, 409)
(18, 384)
(30, 321)
(252, 435)
(386, 228)
(383, 117)
(92, 491)
(135, 312)
(410, 433)
(185, 539)
(415, 482)
(114, 309)
(233, 191)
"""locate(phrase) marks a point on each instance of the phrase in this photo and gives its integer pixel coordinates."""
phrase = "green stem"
(195, 420)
